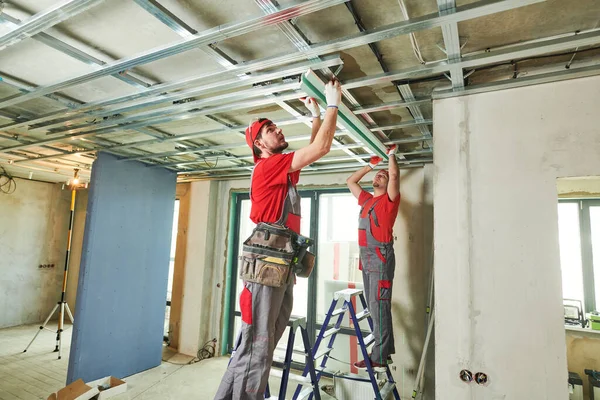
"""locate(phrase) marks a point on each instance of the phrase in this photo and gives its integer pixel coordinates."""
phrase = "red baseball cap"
(252, 132)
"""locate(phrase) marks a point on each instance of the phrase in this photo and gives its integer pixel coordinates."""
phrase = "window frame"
(587, 256)
(311, 321)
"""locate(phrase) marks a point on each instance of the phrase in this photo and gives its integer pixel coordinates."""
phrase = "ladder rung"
(277, 358)
(346, 294)
(323, 353)
(305, 393)
(330, 332)
(362, 315)
(387, 389)
(369, 340)
(304, 380)
(300, 352)
(338, 311)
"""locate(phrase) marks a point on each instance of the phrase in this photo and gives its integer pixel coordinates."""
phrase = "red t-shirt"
(269, 188)
(386, 211)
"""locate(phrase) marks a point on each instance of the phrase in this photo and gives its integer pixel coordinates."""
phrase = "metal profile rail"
(158, 120)
(504, 54)
(233, 83)
(473, 10)
(322, 160)
(179, 109)
(452, 43)
(315, 88)
(481, 59)
(299, 41)
(166, 87)
(209, 36)
(45, 19)
(69, 50)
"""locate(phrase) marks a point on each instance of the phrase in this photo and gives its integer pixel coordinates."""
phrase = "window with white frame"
(579, 240)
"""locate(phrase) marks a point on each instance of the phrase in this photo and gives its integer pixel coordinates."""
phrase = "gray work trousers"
(265, 313)
(378, 278)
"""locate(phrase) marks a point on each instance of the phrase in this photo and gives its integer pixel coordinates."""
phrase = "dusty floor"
(37, 373)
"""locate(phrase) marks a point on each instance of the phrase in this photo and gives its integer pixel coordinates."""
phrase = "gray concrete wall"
(498, 279)
(33, 230)
(204, 285)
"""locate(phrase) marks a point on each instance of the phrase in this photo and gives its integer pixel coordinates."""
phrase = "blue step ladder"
(331, 331)
(308, 383)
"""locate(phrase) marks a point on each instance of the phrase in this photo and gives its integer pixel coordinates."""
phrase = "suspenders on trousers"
(266, 311)
(378, 265)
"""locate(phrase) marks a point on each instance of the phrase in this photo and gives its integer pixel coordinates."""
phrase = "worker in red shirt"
(265, 309)
(376, 245)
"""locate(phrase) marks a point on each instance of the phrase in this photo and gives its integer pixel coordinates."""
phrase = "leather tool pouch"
(267, 255)
(272, 254)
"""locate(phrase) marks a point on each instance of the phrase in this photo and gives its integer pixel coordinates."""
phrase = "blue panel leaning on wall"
(124, 270)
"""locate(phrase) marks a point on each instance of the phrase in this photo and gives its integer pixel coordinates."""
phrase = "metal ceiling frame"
(348, 42)
(45, 19)
(240, 78)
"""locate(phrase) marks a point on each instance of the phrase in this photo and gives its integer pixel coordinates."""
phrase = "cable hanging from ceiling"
(7, 182)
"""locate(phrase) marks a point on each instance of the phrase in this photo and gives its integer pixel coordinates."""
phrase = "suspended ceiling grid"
(174, 83)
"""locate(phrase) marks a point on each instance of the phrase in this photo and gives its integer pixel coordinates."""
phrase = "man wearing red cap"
(376, 246)
(265, 309)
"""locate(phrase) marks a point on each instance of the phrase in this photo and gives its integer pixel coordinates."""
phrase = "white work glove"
(374, 161)
(333, 93)
(391, 152)
(312, 106)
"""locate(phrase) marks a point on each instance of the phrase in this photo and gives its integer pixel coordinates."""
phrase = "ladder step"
(347, 294)
(387, 389)
(303, 380)
(362, 315)
(323, 353)
(369, 340)
(277, 358)
(300, 352)
(305, 393)
(330, 332)
(338, 311)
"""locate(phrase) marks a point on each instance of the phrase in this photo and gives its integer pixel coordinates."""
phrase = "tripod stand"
(62, 305)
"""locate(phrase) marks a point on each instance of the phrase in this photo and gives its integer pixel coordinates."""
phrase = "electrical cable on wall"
(7, 182)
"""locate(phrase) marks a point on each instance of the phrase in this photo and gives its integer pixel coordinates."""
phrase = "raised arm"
(324, 136)
(354, 179)
(315, 112)
(393, 188)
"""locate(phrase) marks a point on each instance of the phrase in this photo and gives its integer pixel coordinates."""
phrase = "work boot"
(377, 367)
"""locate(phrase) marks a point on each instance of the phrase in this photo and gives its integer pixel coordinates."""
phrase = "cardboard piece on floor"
(75, 391)
(113, 386)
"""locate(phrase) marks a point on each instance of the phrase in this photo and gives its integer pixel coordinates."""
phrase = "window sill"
(577, 329)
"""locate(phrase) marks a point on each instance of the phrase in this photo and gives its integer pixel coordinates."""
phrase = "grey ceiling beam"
(221, 32)
(519, 51)
(83, 57)
(240, 145)
(159, 120)
(320, 168)
(297, 38)
(180, 109)
(572, 73)
(498, 56)
(452, 43)
(203, 158)
(69, 50)
(45, 19)
(390, 106)
(473, 10)
(187, 177)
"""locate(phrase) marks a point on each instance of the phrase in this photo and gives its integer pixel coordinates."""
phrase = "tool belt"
(273, 253)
